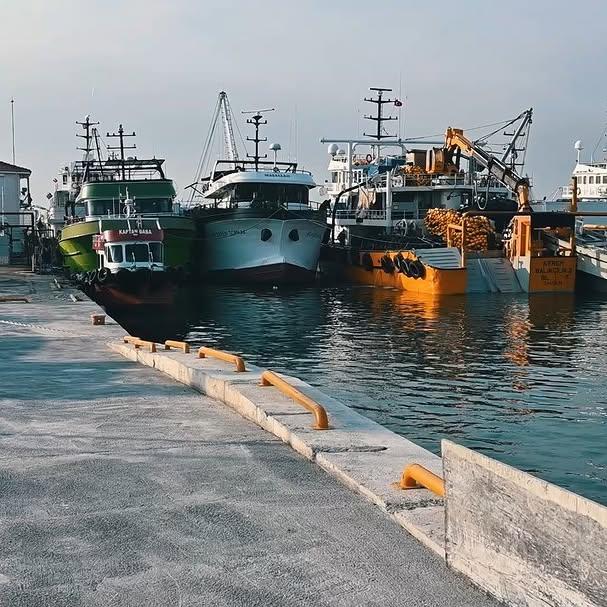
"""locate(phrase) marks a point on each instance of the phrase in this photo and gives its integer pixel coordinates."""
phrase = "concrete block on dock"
(206, 375)
(522, 539)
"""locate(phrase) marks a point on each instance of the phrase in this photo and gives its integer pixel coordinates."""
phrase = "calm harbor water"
(519, 378)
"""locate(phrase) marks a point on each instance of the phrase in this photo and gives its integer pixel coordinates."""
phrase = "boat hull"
(263, 249)
(431, 281)
(142, 289)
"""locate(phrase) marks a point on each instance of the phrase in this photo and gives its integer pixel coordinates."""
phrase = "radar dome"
(332, 149)
(578, 145)
(275, 147)
(341, 152)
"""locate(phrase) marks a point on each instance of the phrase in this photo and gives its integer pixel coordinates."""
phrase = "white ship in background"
(381, 186)
(254, 218)
(591, 176)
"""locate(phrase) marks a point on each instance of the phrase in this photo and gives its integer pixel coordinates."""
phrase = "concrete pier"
(120, 486)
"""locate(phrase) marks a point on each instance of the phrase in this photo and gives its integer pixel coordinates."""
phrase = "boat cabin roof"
(111, 169)
(226, 167)
(244, 172)
(594, 167)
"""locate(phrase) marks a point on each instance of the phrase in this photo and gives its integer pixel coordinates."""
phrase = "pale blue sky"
(157, 66)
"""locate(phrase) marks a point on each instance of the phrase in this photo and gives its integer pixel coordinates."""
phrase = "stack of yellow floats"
(448, 225)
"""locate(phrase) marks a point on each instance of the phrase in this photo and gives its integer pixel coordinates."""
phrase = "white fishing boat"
(254, 217)
(381, 185)
(591, 176)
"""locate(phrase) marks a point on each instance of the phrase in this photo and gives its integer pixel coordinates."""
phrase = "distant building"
(14, 197)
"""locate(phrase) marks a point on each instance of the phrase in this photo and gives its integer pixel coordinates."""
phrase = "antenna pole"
(13, 126)
(121, 135)
(256, 120)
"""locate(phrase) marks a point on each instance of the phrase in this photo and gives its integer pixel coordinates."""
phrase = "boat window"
(583, 179)
(271, 192)
(604, 178)
(137, 252)
(108, 254)
(334, 177)
(98, 208)
(156, 251)
(116, 253)
(64, 179)
(153, 205)
(591, 179)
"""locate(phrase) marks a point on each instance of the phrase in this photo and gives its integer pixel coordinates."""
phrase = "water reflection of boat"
(160, 321)
(260, 323)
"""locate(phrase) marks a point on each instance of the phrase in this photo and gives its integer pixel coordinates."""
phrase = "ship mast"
(88, 138)
(379, 118)
(257, 121)
(121, 135)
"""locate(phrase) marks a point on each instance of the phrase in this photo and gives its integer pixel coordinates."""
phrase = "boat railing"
(249, 166)
(429, 180)
(417, 180)
(376, 214)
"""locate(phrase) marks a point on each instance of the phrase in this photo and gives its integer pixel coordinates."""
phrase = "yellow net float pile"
(478, 228)
(415, 174)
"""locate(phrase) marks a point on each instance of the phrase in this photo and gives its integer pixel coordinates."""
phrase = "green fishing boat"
(131, 237)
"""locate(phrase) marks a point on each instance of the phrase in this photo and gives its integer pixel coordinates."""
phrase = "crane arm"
(228, 129)
(456, 141)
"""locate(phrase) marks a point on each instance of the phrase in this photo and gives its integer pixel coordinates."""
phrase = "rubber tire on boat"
(104, 275)
(367, 262)
(406, 265)
(387, 265)
(414, 269)
(398, 263)
(422, 269)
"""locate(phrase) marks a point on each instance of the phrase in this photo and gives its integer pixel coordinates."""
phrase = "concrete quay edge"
(360, 453)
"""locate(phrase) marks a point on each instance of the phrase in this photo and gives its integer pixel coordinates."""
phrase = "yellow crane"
(457, 143)
(538, 265)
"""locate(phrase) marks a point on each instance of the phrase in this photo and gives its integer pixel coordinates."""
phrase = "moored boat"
(590, 177)
(254, 217)
(126, 197)
(382, 203)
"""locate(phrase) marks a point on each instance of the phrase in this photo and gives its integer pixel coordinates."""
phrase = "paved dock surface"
(121, 487)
